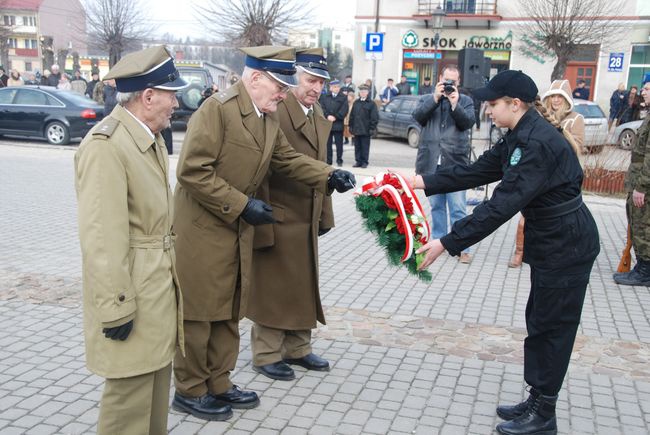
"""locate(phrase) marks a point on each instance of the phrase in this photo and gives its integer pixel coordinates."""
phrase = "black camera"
(449, 86)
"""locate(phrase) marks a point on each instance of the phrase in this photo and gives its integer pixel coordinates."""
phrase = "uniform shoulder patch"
(515, 156)
(106, 128)
(228, 94)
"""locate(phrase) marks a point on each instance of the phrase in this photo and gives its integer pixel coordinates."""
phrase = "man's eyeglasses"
(283, 89)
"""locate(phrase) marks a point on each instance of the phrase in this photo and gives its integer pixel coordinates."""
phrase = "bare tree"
(254, 22)
(6, 30)
(116, 26)
(562, 26)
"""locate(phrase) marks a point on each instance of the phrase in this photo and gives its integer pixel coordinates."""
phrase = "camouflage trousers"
(639, 220)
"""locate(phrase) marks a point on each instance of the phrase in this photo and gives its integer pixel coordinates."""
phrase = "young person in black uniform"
(540, 176)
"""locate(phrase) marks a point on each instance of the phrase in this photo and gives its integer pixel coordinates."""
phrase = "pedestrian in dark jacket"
(581, 91)
(55, 76)
(426, 87)
(363, 125)
(616, 103)
(631, 109)
(335, 109)
(446, 117)
(539, 174)
(90, 87)
(403, 86)
(110, 96)
(4, 78)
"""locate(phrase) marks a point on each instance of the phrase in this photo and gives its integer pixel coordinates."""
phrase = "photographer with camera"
(446, 118)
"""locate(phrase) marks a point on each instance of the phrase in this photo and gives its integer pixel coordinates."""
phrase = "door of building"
(584, 71)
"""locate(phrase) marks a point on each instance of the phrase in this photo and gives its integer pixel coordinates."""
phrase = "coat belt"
(153, 241)
(553, 211)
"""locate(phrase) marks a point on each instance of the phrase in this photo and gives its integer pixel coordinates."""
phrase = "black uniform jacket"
(335, 106)
(538, 169)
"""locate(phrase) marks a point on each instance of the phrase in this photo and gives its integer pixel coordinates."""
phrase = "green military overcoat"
(227, 151)
(125, 218)
(284, 285)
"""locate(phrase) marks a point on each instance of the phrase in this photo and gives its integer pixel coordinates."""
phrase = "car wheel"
(413, 137)
(57, 133)
(191, 96)
(626, 139)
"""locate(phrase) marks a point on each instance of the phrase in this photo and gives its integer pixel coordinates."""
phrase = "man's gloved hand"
(341, 180)
(322, 231)
(119, 332)
(257, 212)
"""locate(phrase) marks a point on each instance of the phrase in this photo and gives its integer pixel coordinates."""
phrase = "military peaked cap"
(276, 60)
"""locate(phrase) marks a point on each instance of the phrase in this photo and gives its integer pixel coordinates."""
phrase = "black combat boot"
(640, 275)
(510, 412)
(538, 419)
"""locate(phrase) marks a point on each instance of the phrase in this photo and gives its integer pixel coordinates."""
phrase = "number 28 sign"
(615, 62)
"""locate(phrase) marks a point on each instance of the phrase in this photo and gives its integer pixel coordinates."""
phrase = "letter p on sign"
(374, 42)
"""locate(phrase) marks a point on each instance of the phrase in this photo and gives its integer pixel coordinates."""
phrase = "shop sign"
(410, 40)
(422, 54)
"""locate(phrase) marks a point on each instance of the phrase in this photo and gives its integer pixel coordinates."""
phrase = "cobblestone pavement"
(407, 356)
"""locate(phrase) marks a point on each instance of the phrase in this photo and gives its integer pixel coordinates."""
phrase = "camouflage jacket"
(638, 174)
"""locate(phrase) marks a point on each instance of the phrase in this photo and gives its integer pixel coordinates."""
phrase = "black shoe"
(640, 275)
(511, 412)
(356, 165)
(538, 419)
(205, 407)
(339, 163)
(277, 370)
(310, 362)
(238, 398)
(364, 166)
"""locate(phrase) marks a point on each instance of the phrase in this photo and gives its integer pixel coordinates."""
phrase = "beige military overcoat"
(125, 217)
(227, 151)
(284, 285)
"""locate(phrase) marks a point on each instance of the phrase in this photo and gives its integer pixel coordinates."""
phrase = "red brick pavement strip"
(466, 340)
(485, 342)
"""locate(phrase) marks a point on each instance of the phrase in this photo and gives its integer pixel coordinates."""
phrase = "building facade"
(497, 28)
(20, 23)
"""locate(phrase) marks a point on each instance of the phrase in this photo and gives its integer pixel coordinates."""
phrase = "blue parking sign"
(374, 42)
(615, 63)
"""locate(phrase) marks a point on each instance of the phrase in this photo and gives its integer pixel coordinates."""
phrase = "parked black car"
(395, 119)
(47, 112)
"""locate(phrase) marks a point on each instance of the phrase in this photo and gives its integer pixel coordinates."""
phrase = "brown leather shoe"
(465, 258)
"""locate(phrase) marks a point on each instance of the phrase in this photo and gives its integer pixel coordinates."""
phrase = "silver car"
(625, 134)
(596, 130)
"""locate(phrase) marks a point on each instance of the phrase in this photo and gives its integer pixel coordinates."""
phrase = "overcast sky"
(177, 18)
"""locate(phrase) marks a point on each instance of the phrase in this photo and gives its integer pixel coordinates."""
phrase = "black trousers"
(552, 317)
(361, 150)
(337, 137)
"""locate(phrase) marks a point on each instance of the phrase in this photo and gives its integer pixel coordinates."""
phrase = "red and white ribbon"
(375, 186)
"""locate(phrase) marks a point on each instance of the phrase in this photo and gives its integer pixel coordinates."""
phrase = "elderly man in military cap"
(231, 142)
(284, 300)
(131, 298)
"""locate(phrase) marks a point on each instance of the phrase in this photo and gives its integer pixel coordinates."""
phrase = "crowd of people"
(255, 180)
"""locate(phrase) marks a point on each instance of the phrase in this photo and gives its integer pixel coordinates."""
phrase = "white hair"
(124, 98)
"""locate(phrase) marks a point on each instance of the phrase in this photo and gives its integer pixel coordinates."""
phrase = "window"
(12, 42)
(393, 106)
(29, 21)
(408, 106)
(589, 111)
(28, 66)
(31, 98)
(639, 65)
(7, 95)
(31, 43)
(10, 20)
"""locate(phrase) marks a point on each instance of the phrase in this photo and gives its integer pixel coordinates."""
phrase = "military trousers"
(137, 405)
(552, 316)
(271, 345)
(211, 350)
(639, 220)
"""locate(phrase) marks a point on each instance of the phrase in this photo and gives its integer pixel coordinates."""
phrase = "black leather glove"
(119, 332)
(341, 180)
(257, 212)
(322, 231)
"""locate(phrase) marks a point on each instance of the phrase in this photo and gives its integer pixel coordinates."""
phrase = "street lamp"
(438, 17)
